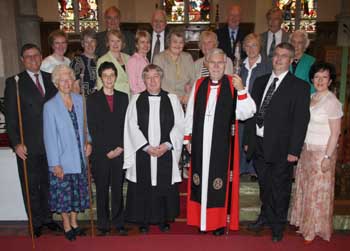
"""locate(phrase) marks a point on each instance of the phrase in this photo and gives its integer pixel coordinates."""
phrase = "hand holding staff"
(24, 161)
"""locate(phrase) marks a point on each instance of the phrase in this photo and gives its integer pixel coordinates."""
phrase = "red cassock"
(221, 155)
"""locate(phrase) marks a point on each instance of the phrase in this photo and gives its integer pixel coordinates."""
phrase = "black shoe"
(78, 231)
(201, 232)
(122, 231)
(70, 235)
(53, 226)
(144, 229)
(276, 237)
(219, 231)
(37, 232)
(258, 225)
(103, 231)
(164, 227)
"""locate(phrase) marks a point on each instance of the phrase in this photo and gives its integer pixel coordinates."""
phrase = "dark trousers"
(109, 174)
(275, 182)
(38, 182)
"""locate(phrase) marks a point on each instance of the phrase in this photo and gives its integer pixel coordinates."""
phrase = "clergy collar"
(214, 82)
(154, 95)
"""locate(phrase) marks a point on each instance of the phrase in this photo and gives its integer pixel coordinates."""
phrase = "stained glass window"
(86, 12)
(193, 11)
(305, 14)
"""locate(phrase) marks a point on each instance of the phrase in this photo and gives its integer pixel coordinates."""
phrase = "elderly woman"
(153, 137)
(58, 42)
(64, 140)
(208, 40)
(115, 43)
(138, 61)
(253, 67)
(106, 110)
(84, 65)
(177, 66)
(312, 209)
(302, 61)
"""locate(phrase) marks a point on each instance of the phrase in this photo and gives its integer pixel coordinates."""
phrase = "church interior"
(327, 24)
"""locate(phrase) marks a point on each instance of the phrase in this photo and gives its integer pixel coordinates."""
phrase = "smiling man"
(35, 88)
(275, 136)
(215, 104)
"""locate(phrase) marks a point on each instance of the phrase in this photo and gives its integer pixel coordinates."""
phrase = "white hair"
(215, 51)
(303, 34)
(57, 71)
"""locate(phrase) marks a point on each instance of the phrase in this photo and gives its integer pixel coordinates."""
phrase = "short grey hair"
(302, 33)
(152, 67)
(215, 51)
(57, 71)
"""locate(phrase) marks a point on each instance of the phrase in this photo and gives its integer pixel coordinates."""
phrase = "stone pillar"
(28, 22)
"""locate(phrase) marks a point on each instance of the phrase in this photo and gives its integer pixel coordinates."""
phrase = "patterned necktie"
(232, 41)
(294, 65)
(38, 85)
(273, 45)
(266, 102)
(156, 47)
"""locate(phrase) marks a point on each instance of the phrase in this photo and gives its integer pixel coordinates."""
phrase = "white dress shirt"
(278, 39)
(260, 130)
(154, 40)
(250, 69)
(41, 81)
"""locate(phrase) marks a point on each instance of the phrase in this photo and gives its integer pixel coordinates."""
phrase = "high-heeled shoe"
(70, 235)
(78, 231)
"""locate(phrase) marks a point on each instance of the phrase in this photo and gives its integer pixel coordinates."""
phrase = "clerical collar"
(154, 95)
(214, 82)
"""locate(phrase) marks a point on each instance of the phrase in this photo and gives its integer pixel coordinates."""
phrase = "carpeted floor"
(155, 242)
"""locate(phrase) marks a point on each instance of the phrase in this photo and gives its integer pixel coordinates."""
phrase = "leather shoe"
(70, 235)
(219, 231)
(37, 232)
(122, 231)
(276, 237)
(53, 226)
(164, 227)
(78, 231)
(201, 232)
(144, 229)
(258, 225)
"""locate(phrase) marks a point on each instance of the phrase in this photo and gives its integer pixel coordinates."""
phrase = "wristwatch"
(326, 157)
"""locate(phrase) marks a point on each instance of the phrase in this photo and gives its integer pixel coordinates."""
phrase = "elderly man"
(112, 21)
(231, 33)
(274, 35)
(215, 104)
(275, 136)
(158, 34)
(35, 88)
(153, 137)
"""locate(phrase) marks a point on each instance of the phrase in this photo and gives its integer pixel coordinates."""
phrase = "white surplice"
(134, 138)
(245, 109)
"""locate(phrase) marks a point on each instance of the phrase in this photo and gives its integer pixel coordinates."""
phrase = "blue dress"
(70, 194)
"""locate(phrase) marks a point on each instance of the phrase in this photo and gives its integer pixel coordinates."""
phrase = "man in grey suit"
(112, 21)
(274, 35)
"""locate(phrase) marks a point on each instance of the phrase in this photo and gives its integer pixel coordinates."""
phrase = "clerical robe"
(152, 195)
(212, 113)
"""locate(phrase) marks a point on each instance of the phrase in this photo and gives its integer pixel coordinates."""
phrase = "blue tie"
(232, 40)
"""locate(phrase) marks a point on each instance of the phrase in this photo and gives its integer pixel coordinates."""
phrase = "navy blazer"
(225, 42)
(286, 118)
(59, 134)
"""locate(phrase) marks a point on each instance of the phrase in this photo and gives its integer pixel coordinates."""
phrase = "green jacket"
(303, 68)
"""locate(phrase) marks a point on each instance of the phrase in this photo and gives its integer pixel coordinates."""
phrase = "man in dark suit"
(158, 34)
(112, 21)
(274, 35)
(275, 135)
(35, 88)
(230, 34)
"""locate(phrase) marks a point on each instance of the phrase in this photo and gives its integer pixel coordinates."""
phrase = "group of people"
(142, 108)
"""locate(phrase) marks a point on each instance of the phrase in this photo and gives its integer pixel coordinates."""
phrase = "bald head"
(233, 16)
(158, 21)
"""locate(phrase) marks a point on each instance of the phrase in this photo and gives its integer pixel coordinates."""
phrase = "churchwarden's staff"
(24, 163)
(88, 162)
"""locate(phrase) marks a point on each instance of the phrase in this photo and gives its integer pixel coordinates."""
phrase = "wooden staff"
(24, 163)
(88, 165)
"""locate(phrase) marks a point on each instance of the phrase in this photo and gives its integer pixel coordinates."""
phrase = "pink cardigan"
(134, 68)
